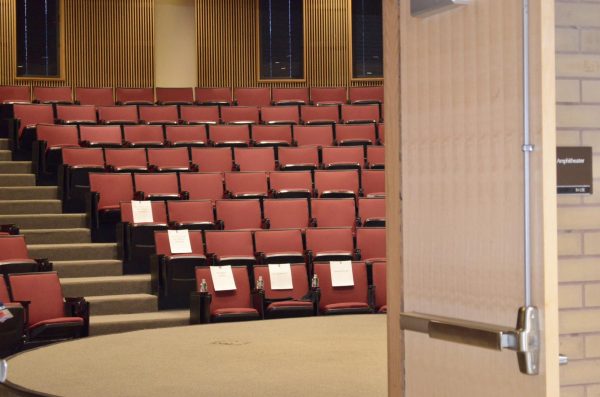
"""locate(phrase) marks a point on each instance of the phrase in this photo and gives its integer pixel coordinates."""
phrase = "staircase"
(118, 303)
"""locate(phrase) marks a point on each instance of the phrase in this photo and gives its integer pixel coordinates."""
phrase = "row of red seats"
(245, 96)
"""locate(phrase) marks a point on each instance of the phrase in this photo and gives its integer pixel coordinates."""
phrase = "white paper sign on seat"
(142, 212)
(341, 273)
(222, 278)
(281, 276)
(179, 241)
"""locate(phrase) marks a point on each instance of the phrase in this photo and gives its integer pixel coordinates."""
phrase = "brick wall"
(578, 124)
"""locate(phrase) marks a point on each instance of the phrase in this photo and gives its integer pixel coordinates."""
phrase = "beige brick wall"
(578, 123)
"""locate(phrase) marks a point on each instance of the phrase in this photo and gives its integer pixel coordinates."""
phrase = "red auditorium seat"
(4, 297)
(313, 135)
(291, 184)
(95, 96)
(286, 213)
(173, 275)
(174, 96)
(333, 184)
(371, 211)
(330, 244)
(343, 300)
(290, 96)
(159, 186)
(319, 115)
(370, 242)
(118, 114)
(28, 116)
(254, 159)
(280, 115)
(355, 134)
(380, 285)
(272, 135)
(76, 114)
(213, 96)
(339, 212)
(229, 247)
(298, 158)
(186, 135)
(222, 306)
(167, 114)
(289, 302)
(373, 183)
(279, 246)
(107, 190)
(360, 114)
(126, 160)
(246, 185)
(135, 239)
(11, 331)
(240, 115)
(238, 214)
(366, 95)
(328, 95)
(252, 96)
(229, 135)
(191, 214)
(14, 257)
(47, 150)
(143, 136)
(52, 95)
(12, 94)
(380, 134)
(50, 317)
(213, 159)
(375, 157)
(202, 185)
(200, 114)
(73, 175)
(343, 157)
(169, 159)
(100, 135)
(134, 96)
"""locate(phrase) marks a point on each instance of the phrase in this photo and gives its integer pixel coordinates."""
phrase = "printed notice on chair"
(179, 240)
(341, 273)
(222, 278)
(281, 276)
(142, 211)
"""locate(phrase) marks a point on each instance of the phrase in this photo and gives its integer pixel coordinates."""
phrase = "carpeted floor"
(318, 356)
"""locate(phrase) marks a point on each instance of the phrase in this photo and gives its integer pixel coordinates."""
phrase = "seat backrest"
(263, 134)
(328, 95)
(213, 159)
(159, 114)
(255, 159)
(371, 242)
(291, 180)
(348, 132)
(376, 155)
(31, 115)
(163, 247)
(174, 95)
(360, 113)
(76, 113)
(334, 212)
(346, 180)
(4, 296)
(213, 95)
(293, 94)
(157, 183)
(299, 282)
(44, 292)
(95, 96)
(126, 158)
(226, 243)
(365, 94)
(202, 185)
(118, 114)
(112, 188)
(329, 240)
(343, 155)
(15, 94)
(220, 134)
(169, 157)
(246, 182)
(280, 114)
(159, 212)
(359, 292)
(200, 114)
(13, 247)
(186, 134)
(240, 114)
(143, 134)
(110, 134)
(313, 135)
(279, 241)
(53, 94)
(238, 298)
(380, 283)
(239, 214)
(298, 155)
(190, 211)
(134, 95)
(83, 157)
(369, 208)
(252, 96)
(56, 135)
(319, 114)
(286, 213)
(373, 182)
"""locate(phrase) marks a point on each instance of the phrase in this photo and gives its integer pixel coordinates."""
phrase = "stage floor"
(317, 356)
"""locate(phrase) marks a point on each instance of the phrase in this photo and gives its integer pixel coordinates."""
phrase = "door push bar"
(524, 339)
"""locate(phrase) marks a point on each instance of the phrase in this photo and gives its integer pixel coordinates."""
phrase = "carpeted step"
(57, 236)
(15, 167)
(8, 207)
(17, 180)
(46, 221)
(115, 323)
(122, 304)
(4, 144)
(29, 193)
(73, 252)
(112, 285)
(5, 155)
(96, 268)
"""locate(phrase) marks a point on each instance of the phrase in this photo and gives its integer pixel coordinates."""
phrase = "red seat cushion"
(382, 309)
(234, 310)
(346, 305)
(59, 320)
(277, 305)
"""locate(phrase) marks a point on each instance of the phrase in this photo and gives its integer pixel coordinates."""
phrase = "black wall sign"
(574, 170)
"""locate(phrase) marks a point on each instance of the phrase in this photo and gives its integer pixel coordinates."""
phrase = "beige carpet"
(318, 356)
